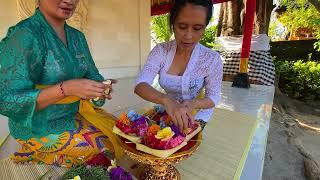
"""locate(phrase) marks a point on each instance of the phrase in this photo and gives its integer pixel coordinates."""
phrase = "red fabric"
(165, 8)
(160, 9)
(99, 160)
(248, 28)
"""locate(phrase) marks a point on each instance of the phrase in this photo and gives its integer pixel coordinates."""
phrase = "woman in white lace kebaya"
(184, 67)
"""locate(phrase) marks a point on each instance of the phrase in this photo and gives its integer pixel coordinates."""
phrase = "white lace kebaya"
(204, 69)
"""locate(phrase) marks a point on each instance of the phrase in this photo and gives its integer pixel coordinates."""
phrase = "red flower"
(99, 160)
(124, 128)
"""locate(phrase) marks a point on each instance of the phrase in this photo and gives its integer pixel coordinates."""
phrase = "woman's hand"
(85, 88)
(190, 105)
(180, 114)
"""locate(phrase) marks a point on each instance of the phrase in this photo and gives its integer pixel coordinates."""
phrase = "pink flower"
(141, 130)
(174, 142)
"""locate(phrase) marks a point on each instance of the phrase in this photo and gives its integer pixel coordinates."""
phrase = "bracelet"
(61, 88)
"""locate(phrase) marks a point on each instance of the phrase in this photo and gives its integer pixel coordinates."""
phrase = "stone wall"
(117, 31)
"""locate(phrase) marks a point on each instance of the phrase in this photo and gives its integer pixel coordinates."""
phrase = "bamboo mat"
(224, 149)
(11, 171)
(221, 155)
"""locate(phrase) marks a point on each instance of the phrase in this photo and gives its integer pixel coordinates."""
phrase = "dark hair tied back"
(179, 4)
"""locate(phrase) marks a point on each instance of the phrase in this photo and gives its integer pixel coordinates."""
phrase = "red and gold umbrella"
(242, 78)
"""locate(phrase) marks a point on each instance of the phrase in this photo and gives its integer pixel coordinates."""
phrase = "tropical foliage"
(209, 36)
(161, 31)
(301, 14)
(160, 28)
(299, 79)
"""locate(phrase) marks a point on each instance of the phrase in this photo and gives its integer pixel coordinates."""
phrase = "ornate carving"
(25, 8)
(155, 168)
(79, 19)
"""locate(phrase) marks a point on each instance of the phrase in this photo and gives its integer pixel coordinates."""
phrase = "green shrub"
(160, 27)
(208, 37)
(299, 79)
(96, 173)
(161, 31)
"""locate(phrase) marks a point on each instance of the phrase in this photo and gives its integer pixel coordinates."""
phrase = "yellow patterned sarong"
(93, 136)
(66, 149)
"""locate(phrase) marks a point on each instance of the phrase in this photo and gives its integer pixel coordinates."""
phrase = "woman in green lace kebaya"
(44, 50)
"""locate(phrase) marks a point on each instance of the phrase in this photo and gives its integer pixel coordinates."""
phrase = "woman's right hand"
(84, 88)
(179, 113)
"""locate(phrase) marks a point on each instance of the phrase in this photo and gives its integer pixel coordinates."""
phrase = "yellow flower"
(76, 178)
(165, 134)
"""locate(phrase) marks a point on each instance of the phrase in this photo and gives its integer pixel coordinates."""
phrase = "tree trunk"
(229, 18)
(232, 14)
(263, 14)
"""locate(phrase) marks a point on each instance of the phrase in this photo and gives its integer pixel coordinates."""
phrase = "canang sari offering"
(153, 132)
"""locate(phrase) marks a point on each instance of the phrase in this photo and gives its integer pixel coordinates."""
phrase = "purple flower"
(140, 126)
(120, 174)
(140, 121)
(176, 131)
